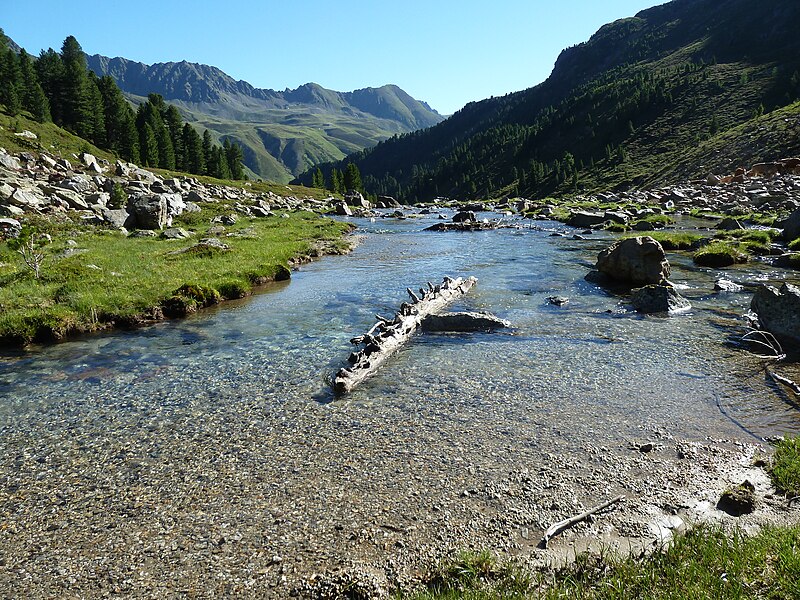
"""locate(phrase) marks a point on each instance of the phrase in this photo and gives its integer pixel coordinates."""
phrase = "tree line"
(59, 88)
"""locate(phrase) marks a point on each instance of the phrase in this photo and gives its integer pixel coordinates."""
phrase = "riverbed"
(208, 456)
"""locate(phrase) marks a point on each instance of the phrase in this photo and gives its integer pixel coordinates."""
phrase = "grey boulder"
(637, 260)
(463, 321)
(149, 212)
(779, 311)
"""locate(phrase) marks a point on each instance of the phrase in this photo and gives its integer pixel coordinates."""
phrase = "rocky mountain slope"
(626, 108)
(282, 133)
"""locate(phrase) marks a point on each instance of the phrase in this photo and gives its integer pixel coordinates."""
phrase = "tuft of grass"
(794, 245)
(719, 254)
(785, 469)
(706, 563)
(673, 240)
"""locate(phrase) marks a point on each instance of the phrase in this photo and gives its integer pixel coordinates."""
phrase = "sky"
(445, 52)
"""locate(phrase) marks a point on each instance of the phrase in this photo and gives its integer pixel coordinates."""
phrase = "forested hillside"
(625, 108)
(58, 87)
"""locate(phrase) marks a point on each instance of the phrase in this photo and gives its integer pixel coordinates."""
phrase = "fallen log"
(387, 336)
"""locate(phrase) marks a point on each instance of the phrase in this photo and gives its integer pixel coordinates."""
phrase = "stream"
(212, 444)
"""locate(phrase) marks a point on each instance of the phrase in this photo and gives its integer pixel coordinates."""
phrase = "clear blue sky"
(446, 52)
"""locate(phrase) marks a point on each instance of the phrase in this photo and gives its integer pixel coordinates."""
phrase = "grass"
(794, 245)
(785, 469)
(706, 563)
(672, 240)
(115, 279)
(719, 254)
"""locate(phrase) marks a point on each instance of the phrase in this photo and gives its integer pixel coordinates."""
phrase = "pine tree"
(148, 146)
(194, 157)
(75, 101)
(10, 81)
(318, 179)
(174, 122)
(352, 178)
(33, 98)
(207, 152)
(234, 156)
(166, 153)
(50, 71)
(94, 101)
(117, 113)
(337, 181)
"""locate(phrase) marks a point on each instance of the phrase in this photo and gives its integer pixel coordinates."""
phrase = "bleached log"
(557, 528)
(387, 336)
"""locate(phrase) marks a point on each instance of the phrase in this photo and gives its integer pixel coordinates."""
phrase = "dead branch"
(557, 528)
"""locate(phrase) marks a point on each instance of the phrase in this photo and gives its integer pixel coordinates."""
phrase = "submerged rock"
(659, 299)
(726, 285)
(637, 260)
(464, 321)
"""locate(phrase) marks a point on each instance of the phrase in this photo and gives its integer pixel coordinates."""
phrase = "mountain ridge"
(282, 133)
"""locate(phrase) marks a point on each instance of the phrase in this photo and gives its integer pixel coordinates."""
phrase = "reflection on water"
(589, 360)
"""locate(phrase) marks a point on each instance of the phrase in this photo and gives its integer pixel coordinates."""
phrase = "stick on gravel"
(557, 528)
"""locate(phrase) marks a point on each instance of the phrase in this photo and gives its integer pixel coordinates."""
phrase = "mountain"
(282, 133)
(661, 95)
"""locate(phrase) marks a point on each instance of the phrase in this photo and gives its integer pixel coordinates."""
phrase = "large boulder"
(636, 260)
(354, 198)
(465, 216)
(779, 311)
(118, 218)
(791, 226)
(9, 162)
(658, 299)
(149, 212)
(585, 219)
(343, 210)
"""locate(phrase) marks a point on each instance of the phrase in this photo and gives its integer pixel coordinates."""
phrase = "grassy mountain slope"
(282, 133)
(627, 107)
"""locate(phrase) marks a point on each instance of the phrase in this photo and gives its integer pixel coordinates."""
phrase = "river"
(222, 426)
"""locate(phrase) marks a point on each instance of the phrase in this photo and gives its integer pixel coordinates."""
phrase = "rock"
(791, 227)
(6, 191)
(652, 299)
(585, 219)
(557, 300)
(343, 210)
(143, 233)
(10, 210)
(78, 184)
(463, 321)
(9, 228)
(713, 179)
(28, 135)
(387, 202)
(118, 218)
(729, 224)
(175, 204)
(779, 311)
(464, 216)
(74, 199)
(48, 161)
(175, 233)
(9, 162)
(195, 196)
(643, 226)
(149, 212)
(122, 169)
(353, 198)
(88, 159)
(726, 285)
(739, 500)
(191, 207)
(616, 217)
(637, 260)
(26, 199)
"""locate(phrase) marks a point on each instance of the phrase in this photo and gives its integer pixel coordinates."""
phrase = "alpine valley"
(283, 133)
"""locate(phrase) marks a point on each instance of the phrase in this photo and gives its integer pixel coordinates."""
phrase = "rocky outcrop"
(637, 261)
(779, 311)
(149, 212)
(585, 219)
(652, 299)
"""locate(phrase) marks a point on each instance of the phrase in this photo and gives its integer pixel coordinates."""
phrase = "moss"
(676, 240)
(719, 254)
(231, 290)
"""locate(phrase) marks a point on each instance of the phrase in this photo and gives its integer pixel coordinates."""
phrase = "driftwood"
(785, 381)
(388, 335)
(557, 528)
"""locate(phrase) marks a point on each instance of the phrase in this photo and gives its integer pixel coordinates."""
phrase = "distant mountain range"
(678, 90)
(282, 133)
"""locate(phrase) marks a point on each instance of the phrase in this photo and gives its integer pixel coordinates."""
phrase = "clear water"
(591, 367)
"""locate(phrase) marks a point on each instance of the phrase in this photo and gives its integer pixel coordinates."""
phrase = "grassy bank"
(706, 563)
(92, 279)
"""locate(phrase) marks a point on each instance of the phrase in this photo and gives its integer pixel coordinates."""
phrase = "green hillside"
(676, 91)
(282, 133)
